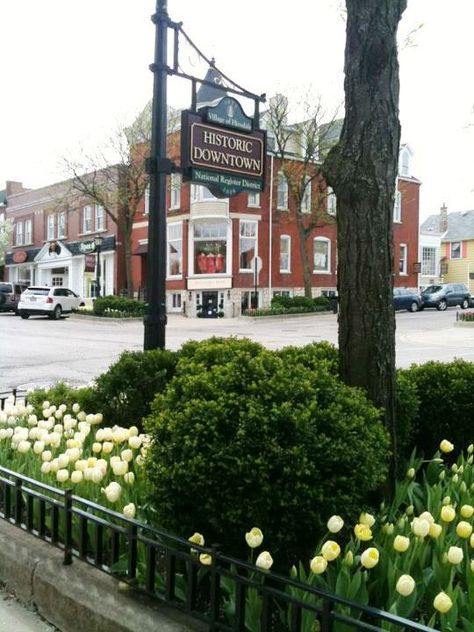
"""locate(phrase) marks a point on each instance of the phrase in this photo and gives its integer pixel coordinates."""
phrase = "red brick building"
(211, 244)
(52, 242)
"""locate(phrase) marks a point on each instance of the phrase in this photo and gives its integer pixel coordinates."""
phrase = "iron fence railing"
(228, 594)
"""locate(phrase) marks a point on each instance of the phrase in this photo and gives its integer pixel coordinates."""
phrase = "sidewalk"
(16, 618)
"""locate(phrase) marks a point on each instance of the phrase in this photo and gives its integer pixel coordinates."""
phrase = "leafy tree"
(362, 170)
(5, 230)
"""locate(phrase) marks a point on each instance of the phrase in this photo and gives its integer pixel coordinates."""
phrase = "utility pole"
(158, 167)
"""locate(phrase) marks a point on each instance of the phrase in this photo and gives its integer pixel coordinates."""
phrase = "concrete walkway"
(16, 618)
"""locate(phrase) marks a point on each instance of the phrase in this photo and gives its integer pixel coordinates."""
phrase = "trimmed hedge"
(445, 392)
(113, 305)
(243, 437)
(123, 393)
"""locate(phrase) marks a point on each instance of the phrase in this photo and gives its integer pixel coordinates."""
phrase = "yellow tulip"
(447, 513)
(464, 529)
(370, 557)
(318, 565)
(446, 446)
(264, 560)
(467, 511)
(205, 559)
(405, 585)
(362, 532)
(442, 603)
(401, 543)
(330, 550)
(254, 537)
(435, 530)
(366, 519)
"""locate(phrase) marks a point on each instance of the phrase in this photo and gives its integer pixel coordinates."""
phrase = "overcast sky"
(72, 71)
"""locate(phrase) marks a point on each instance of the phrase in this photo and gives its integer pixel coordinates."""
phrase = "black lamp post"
(98, 241)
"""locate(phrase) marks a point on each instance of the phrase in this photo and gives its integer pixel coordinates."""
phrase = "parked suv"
(10, 295)
(49, 301)
(443, 296)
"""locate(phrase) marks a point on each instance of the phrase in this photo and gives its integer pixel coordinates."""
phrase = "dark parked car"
(10, 295)
(406, 299)
(446, 295)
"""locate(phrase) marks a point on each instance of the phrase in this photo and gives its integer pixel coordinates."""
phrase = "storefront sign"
(89, 263)
(20, 256)
(224, 160)
(86, 246)
(210, 284)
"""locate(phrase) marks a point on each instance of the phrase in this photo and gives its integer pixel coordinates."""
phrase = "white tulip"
(129, 511)
(112, 492)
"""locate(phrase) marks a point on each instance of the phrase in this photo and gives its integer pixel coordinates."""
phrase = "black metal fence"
(225, 593)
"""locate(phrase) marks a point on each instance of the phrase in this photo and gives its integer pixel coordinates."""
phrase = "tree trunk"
(127, 247)
(362, 170)
(305, 257)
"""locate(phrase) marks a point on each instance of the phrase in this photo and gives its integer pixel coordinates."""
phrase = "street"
(39, 351)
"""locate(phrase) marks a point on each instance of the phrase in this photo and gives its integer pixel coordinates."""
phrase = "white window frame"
(331, 202)
(176, 302)
(19, 234)
(253, 199)
(242, 224)
(51, 227)
(451, 250)
(99, 217)
(403, 260)
(429, 261)
(287, 240)
(175, 191)
(397, 207)
(282, 192)
(327, 241)
(87, 226)
(174, 227)
(61, 224)
(147, 199)
(405, 163)
(28, 232)
(193, 240)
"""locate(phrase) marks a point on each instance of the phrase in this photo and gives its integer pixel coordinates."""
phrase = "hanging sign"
(86, 247)
(89, 263)
(226, 161)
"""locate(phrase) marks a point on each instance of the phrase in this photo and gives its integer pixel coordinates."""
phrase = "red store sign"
(20, 256)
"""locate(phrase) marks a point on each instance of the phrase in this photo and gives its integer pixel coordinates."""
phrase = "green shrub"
(290, 302)
(311, 356)
(124, 392)
(104, 305)
(62, 393)
(446, 403)
(243, 438)
(407, 407)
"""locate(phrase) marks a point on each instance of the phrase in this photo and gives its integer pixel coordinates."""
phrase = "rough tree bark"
(362, 170)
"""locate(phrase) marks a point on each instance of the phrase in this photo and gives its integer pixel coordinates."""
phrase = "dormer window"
(405, 163)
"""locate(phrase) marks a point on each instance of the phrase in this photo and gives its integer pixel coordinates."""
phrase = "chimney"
(13, 187)
(443, 218)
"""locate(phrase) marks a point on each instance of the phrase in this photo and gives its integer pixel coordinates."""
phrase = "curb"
(78, 597)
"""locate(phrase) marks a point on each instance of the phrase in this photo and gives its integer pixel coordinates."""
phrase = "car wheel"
(24, 316)
(465, 304)
(413, 307)
(442, 305)
(57, 312)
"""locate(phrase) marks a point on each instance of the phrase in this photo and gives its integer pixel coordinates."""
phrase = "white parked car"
(48, 301)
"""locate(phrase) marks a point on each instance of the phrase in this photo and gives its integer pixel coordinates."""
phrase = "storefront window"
(210, 248)
(175, 248)
(248, 242)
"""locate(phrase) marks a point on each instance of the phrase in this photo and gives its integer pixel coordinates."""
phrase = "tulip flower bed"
(69, 449)
(412, 558)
